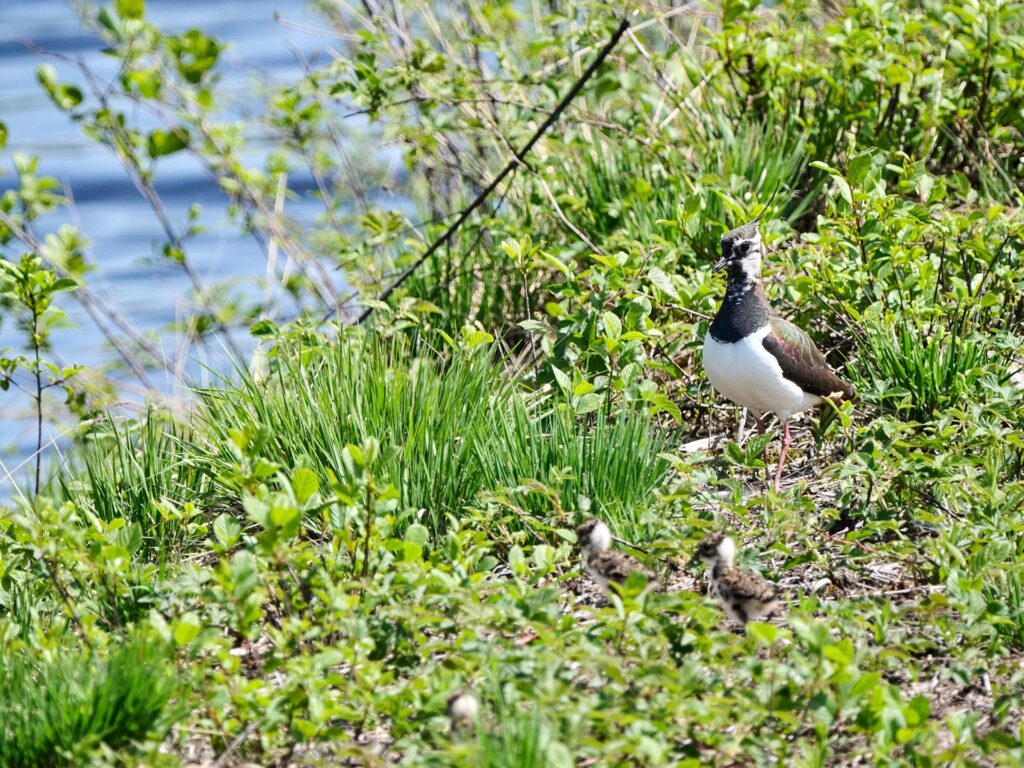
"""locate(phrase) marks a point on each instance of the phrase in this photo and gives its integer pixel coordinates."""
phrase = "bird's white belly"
(748, 374)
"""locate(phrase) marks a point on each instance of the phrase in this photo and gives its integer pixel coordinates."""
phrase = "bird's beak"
(720, 264)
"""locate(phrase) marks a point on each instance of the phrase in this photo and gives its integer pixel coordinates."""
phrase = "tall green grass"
(449, 427)
(138, 471)
(916, 373)
(54, 713)
(428, 415)
(722, 172)
(613, 461)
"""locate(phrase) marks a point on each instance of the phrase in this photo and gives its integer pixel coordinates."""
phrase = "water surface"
(124, 232)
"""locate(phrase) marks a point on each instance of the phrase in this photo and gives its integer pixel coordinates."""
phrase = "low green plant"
(379, 517)
(59, 710)
(28, 290)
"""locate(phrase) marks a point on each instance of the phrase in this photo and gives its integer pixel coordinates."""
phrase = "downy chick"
(463, 709)
(604, 564)
(744, 596)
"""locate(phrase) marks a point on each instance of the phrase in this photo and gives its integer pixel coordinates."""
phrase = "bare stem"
(39, 390)
(51, 570)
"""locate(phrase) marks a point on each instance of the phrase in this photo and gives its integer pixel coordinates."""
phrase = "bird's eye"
(743, 247)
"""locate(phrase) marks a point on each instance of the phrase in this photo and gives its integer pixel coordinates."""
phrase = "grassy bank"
(304, 568)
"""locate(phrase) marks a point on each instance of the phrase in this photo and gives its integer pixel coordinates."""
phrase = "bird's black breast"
(742, 312)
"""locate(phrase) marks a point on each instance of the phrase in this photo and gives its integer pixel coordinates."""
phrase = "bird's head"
(716, 547)
(593, 536)
(742, 251)
(463, 708)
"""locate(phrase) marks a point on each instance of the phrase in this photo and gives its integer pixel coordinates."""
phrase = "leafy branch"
(518, 159)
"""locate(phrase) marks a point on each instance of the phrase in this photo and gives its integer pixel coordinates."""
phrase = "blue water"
(124, 232)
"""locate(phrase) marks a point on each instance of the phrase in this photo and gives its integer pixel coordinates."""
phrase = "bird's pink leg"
(782, 454)
(759, 422)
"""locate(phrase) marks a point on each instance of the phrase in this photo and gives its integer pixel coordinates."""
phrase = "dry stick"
(517, 160)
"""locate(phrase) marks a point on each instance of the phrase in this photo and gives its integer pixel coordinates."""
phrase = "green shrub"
(141, 472)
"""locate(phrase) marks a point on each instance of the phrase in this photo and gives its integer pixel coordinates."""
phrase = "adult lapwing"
(604, 564)
(744, 596)
(756, 358)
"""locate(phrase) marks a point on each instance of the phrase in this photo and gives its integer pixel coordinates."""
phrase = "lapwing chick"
(605, 565)
(463, 709)
(756, 358)
(744, 596)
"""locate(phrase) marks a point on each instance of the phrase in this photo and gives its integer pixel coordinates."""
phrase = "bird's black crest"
(747, 232)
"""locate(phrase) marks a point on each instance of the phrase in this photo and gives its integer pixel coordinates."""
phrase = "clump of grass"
(614, 461)
(918, 372)
(448, 428)
(55, 712)
(130, 470)
(728, 169)
(428, 414)
(516, 740)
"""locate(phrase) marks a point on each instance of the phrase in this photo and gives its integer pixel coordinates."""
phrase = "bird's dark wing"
(740, 585)
(802, 362)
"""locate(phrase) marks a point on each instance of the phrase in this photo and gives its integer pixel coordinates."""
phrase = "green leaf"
(285, 518)
(517, 560)
(765, 634)
(262, 328)
(858, 168)
(130, 9)
(161, 142)
(918, 710)
(542, 557)
(844, 189)
(559, 265)
(255, 508)
(187, 628)
(129, 537)
(823, 167)
(588, 403)
(65, 96)
(304, 483)
(691, 205)
(474, 338)
(226, 529)
(663, 282)
(417, 534)
(612, 325)
(660, 402)
(244, 573)
(582, 388)
(562, 378)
